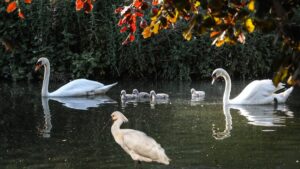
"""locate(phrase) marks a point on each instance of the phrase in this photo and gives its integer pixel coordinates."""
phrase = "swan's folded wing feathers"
(142, 144)
(80, 86)
(256, 89)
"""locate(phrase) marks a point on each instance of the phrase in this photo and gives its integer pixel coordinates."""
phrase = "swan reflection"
(83, 103)
(124, 103)
(46, 129)
(220, 135)
(265, 115)
(258, 115)
(159, 101)
(197, 101)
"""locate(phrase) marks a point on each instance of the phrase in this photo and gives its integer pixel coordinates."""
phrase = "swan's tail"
(282, 97)
(104, 89)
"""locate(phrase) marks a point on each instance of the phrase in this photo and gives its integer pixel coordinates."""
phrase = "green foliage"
(89, 46)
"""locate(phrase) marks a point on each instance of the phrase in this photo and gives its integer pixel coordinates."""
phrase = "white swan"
(158, 96)
(257, 92)
(136, 143)
(196, 94)
(126, 97)
(78, 87)
(141, 95)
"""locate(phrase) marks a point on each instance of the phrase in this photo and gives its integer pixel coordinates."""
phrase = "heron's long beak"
(37, 67)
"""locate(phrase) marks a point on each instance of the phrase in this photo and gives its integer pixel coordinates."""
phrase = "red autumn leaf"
(79, 4)
(133, 18)
(131, 37)
(133, 27)
(138, 3)
(21, 15)
(118, 10)
(123, 29)
(27, 1)
(122, 21)
(155, 2)
(11, 7)
(154, 11)
(139, 14)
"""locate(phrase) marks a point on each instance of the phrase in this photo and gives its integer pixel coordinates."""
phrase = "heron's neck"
(46, 80)
(227, 88)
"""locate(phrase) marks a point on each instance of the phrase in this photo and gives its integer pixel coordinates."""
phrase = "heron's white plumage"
(136, 143)
(78, 87)
(256, 92)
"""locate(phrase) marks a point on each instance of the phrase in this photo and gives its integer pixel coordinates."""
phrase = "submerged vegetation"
(81, 44)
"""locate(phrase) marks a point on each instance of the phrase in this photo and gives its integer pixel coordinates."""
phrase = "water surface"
(75, 132)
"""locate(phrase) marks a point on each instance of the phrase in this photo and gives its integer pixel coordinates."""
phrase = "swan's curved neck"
(46, 80)
(227, 88)
(115, 130)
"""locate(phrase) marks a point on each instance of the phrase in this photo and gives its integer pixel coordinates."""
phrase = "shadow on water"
(75, 132)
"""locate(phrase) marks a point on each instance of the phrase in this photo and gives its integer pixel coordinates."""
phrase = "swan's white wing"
(144, 146)
(256, 92)
(77, 87)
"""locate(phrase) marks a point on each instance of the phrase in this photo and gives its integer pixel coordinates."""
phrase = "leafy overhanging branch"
(226, 21)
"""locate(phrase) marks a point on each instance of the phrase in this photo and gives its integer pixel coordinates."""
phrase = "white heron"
(136, 143)
(256, 92)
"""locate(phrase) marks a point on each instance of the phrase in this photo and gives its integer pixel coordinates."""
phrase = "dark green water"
(38, 133)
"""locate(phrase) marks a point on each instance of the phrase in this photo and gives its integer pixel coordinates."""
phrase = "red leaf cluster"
(13, 5)
(84, 4)
(27, 1)
(129, 17)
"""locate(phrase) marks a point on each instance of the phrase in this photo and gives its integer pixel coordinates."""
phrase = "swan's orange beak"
(37, 66)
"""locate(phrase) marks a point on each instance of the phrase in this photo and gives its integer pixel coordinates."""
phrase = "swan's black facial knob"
(38, 65)
(214, 77)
